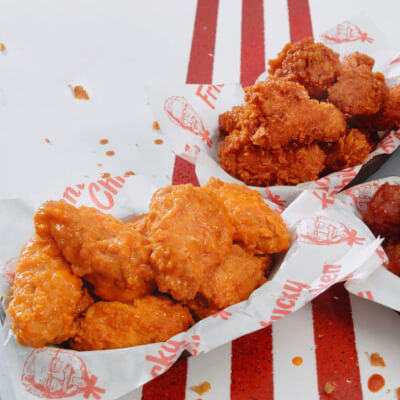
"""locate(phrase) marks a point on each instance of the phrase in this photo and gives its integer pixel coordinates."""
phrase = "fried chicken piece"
(289, 115)
(113, 325)
(313, 65)
(358, 91)
(191, 233)
(256, 227)
(392, 250)
(231, 282)
(46, 296)
(256, 166)
(245, 117)
(383, 212)
(114, 257)
(356, 59)
(389, 116)
(140, 223)
(349, 150)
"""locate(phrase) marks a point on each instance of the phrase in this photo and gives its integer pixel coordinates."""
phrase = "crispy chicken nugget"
(112, 325)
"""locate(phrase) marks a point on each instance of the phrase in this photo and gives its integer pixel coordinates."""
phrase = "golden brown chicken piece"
(313, 65)
(258, 167)
(111, 255)
(349, 151)
(256, 227)
(46, 296)
(191, 233)
(389, 116)
(287, 114)
(231, 282)
(356, 59)
(113, 325)
(392, 249)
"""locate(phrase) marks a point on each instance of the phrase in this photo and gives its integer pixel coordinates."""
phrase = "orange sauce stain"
(376, 383)
(99, 164)
(103, 141)
(129, 173)
(2, 47)
(158, 141)
(156, 126)
(105, 175)
(110, 153)
(297, 361)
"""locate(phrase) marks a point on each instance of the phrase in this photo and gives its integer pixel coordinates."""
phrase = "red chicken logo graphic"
(362, 195)
(181, 113)
(345, 33)
(54, 374)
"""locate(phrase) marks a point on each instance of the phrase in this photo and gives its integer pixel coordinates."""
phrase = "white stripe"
(136, 395)
(377, 330)
(294, 336)
(228, 42)
(213, 367)
(276, 27)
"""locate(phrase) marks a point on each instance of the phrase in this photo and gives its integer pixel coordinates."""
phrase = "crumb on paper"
(47, 140)
(202, 388)
(158, 141)
(388, 391)
(320, 335)
(105, 175)
(103, 141)
(349, 381)
(80, 93)
(110, 153)
(99, 164)
(129, 173)
(156, 126)
(2, 47)
(377, 360)
(329, 387)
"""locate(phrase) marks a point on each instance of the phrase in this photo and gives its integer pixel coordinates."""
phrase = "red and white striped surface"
(200, 42)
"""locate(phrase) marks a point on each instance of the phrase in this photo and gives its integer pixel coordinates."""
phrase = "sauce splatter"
(2, 47)
(376, 383)
(99, 164)
(297, 361)
(202, 388)
(103, 141)
(47, 140)
(129, 173)
(377, 360)
(110, 153)
(80, 93)
(158, 141)
(156, 126)
(105, 175)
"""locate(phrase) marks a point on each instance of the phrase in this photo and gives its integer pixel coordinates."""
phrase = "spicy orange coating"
(356, 59)
(313, 65)
(46, 296)
(111, 255)
(389, 115)
(287, 114)
(113, 325)
(190, 233)
(383, 212)
(231, 282)
(256, 227)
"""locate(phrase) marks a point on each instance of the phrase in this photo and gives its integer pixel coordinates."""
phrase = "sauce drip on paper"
(376, 382)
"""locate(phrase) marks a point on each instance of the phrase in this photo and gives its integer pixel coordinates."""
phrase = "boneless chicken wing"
(112, 325)
(392, 249)
(111, 255)
(256, 227)
(46, 296)
(191, 233)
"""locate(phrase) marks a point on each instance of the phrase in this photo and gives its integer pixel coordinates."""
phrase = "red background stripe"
(170, 385)
(336, 352)
(299, 20)
(252, 369)
(252, 51)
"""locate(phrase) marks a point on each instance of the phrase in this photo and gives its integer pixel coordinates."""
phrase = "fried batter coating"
(114, 257)
(389, 116)
(349, 151)
(258, 167)
(231, 282)
(245, 118)
(287, 114)
(313, 65)
(356, 59)
(46, 296)
(383, 212)
(113, 325)
(256, 227)
(392, 250)
(191, 233)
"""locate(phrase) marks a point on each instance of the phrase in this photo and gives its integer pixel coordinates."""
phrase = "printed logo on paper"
(52, 373)
(181, 113)
(346, 32)
(224, 315)
(361, 195)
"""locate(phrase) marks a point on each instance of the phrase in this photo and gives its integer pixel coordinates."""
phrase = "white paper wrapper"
(188, 114)
(380, 285)
(328, 245)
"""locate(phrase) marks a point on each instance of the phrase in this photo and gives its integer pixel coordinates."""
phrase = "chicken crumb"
(2, 47)
(320, 335)
(156, 126)
(202, 388)
(377, 360)
(398, 393)
(329, 387)
(47, 140)
(80, 93)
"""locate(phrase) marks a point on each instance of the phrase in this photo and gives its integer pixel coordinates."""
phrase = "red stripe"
(170, 385)
(203, 42)
(252, 376)
(253, 50)
(336, 353)
(299, 20)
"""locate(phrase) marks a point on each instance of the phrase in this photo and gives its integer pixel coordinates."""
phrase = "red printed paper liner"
(329, 244)
(380, 285)
(188, 114)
